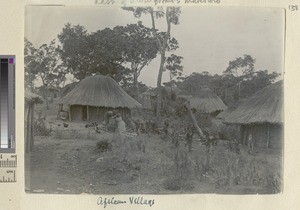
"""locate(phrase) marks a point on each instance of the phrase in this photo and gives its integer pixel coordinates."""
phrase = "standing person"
(121, 126)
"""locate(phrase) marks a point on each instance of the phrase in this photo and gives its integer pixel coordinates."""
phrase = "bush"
(40, 128)
(104, 146)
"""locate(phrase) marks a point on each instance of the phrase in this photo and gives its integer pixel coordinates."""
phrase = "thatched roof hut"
(92, 97)
(265, 106)
(30, 100)
(261, 116)
(206, 101)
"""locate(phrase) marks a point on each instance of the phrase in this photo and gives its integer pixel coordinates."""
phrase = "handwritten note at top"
(129, 3)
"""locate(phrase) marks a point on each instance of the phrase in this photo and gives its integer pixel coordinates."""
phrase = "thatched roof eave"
(265, 106)
(99, 91)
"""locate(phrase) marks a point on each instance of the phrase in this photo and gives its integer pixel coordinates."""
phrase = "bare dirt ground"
(68, 161)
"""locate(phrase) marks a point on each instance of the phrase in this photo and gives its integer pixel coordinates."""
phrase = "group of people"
(113, 122)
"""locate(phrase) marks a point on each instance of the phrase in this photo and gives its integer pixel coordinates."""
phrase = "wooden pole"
(97, 112)
(87, 113)
(268, 135)
(60, 108)
(70, 116)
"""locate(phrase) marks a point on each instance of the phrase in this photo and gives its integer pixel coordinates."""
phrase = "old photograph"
(154, 100)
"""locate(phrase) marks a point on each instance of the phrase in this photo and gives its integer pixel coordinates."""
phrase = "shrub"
(104, 145)
(40, 128)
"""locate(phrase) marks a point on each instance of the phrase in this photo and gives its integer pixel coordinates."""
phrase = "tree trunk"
(159, 78)
(46, 99)
(136, 85)
(163, 47)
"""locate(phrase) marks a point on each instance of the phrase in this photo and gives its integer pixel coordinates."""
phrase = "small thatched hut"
(92, 97)
(30, 100)
(261, 116)
(206, 101)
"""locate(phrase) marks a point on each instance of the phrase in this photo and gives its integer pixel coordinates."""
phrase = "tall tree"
(30, 65)
(139, 48)
(75, 51)
(100, 52)
(241, 66)
(44, 63)
(173, 65)
(171, 15)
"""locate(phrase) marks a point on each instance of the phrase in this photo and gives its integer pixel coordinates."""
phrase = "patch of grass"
(176, 184)
(69, 134)
(130, 152)
(238, 170)
(180, 173)
(58, 134)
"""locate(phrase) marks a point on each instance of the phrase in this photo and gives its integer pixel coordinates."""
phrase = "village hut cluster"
(99, 98)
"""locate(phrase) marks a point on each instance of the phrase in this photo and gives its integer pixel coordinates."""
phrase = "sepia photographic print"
(154, 100)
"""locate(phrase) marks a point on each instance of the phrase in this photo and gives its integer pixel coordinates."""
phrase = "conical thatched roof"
(206, 101)
(33, 98)
(265, 106)
(99, 91)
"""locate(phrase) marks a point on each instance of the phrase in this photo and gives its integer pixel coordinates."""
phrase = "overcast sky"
(208, 37)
